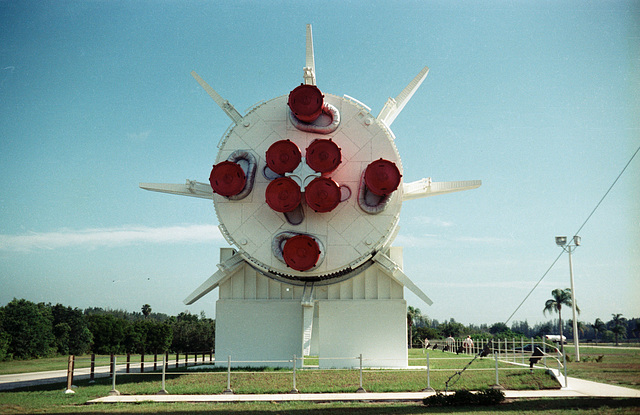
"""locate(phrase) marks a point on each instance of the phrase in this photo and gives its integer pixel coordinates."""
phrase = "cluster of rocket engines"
(295, 179)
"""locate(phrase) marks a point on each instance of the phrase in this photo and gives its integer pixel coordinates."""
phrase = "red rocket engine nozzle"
(301, 252)
(323, 156)
(322, 194)
(283, 156)
(227, 178)
(283, 195)
(306, 102)
(382, 177)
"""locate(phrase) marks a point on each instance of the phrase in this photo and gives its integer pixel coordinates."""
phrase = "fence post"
(166, 360)
(228, 391)
(428, 388)
(361, 389)
(142, 363)
(564, 363)
(163, 391)
(113, 391)
(70, 375)
(294, 390)
(128, 361)
(92, 374)
(155, 361)
(177, 360)
(497, 384)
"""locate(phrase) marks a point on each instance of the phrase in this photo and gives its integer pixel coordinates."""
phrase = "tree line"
(618, 328)
(32, 330)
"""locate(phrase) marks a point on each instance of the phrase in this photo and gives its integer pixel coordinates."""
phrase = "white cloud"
(110, 237)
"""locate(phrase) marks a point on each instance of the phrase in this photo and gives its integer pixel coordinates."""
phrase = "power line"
(575, 233)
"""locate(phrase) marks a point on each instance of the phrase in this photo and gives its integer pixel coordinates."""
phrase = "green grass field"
(617, 366)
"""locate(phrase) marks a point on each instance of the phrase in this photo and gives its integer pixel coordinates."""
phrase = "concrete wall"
(377, 329)
(253, 330)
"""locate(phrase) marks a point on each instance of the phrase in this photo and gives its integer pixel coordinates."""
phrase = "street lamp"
(562, 242)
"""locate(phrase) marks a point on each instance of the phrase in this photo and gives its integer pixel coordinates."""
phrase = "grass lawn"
(618, 366)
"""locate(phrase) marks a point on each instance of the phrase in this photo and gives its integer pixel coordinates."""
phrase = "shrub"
(465, 398)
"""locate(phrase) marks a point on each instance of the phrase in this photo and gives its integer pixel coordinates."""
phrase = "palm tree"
(598, 325)
(619, 326)
(560, 298)
(412, 314)
(146, 310)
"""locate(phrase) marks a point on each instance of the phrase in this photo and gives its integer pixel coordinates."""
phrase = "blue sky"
(539, 100)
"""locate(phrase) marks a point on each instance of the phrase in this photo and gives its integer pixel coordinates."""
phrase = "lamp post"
(562, 242)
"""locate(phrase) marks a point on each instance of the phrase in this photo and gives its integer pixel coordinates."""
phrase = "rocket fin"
(310, 63)
(393, 107)
(227, 268)
(389, 267)
(425, 187)
(222, 103)
(191, 188)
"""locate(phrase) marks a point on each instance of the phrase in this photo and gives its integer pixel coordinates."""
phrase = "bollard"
(70, 375)
(142, 363)
(92, 373)
(166, 360)
(155, 362)
(177, 360)
(228, 391)
(113, 391)
(128, 362)
(361, 389)
(294, 390)
(163, 391)
(428, 388)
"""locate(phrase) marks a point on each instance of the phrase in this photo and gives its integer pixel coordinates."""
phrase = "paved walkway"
(578, 388)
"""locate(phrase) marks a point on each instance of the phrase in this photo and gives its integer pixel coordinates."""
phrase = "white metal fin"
(389, 267)
(425, 187)
(222, 103)
(393, 107)
(310, 63)
(226, 268)
(191, 188)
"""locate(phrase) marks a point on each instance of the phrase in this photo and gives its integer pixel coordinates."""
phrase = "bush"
(465, 398)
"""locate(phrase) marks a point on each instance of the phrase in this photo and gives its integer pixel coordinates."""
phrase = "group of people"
(450, 343)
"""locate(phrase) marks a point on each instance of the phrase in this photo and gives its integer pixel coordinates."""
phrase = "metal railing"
(511, 353)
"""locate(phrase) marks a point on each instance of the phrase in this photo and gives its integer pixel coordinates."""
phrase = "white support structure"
(425, 187)
(259, 319)
(393, 107)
